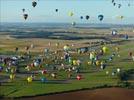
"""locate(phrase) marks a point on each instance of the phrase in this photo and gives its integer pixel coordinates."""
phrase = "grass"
(92, 76)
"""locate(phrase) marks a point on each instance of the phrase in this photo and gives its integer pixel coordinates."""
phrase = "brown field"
(98, 94)
(8, 43)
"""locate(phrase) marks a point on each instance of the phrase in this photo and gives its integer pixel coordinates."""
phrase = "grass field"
(92, 76)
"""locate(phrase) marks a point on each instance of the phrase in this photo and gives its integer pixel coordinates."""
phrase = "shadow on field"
(55, 81)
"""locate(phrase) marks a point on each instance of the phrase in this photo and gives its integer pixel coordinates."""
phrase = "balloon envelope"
(119, 5)
(23, 10)
(71, 14)
(114, 3)
(66, 48)
(1, 68)
(120, 17)
(56, 10)
(87, 17)
(25, 16)
(114, 32)
(81, 17)
(29, 79)
(100, 17)
(34, 3)
(105, 49)
(43, 79)
(73, 23)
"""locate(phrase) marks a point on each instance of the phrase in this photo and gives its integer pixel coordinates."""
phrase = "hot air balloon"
(34, 3)
(25, 16)
(1, 68)
(73, 23)
(66, 47)
(16, 49)
(119, 5)
(23, 10)
(126, 36)
(114, 3)
(29, 79)
(79, 77)
(114, 32)
(44, 72)
(46, 50)
(81, 17)
(120, 17)
(53, 75)
(36, 64)
(107, 72)
(71, 14)
(43, 79)
(87, 17)
(12, 76)
(100, 17)
(118, 70)
(105, 49)
(56, 10)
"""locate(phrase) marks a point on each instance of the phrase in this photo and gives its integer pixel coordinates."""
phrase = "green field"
(92, 75)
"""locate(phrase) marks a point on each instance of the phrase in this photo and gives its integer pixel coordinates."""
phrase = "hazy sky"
(11, 11)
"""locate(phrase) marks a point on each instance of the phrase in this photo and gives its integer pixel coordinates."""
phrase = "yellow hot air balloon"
(117, 49)
(12, 76)
(13, 70)
(102, 62)
(89, 62)
(92, 55)
(74, 62)
(66, 48)
(29, 79)
(105, 49)
(120, 17)
(57, 44)
(97, 62)
(79, 51)
(70, 14)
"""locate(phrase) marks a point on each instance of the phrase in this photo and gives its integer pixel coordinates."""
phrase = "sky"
(11, 11)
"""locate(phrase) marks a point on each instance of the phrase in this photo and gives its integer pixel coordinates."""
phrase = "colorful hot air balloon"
(44, 72)
(79, 77)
